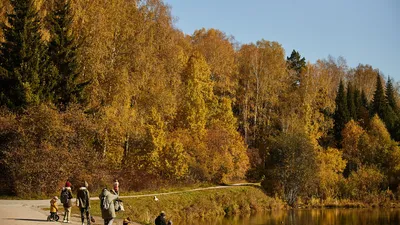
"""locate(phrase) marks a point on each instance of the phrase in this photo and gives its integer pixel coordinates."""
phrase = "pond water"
(310, 217)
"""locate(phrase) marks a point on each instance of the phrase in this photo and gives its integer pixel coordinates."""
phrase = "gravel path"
(29, 212)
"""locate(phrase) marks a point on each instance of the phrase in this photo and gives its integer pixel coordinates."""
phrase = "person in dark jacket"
(67, 205)
(83, 201)
(108, 214)
(160, 220)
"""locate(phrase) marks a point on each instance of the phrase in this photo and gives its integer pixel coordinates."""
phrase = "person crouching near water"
(107, 200)
(160, 220)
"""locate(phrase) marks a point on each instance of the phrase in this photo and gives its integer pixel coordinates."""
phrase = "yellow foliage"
(378, 130)
(351, 137)
(331, 166)
(197, 95)
(225, 158)
(220, 56)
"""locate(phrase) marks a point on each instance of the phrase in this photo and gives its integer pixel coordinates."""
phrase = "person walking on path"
(107, 200)
(83, 201)
(66, 200)
(116, 187)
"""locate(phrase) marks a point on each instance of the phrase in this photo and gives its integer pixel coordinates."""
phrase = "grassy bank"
(239, 200)
(185, 204)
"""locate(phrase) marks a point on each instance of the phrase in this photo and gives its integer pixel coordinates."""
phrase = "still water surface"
(311, 217)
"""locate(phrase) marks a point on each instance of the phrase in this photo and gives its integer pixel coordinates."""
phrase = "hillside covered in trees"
(94, 90)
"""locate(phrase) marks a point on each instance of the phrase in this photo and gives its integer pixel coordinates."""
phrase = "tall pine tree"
(362, 111)
(392, 119)
(364, 100)
(341, 116)
(63, 51)
(379, 105)
(357, 100)
(390, 96)
(298, 64)
(351, 105)
(22, 57)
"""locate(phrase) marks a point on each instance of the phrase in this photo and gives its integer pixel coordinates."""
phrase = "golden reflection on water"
(310, 217)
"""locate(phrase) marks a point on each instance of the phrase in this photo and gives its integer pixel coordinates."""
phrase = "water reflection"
(310, 217)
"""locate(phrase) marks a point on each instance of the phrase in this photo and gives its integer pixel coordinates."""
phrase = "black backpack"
(64, 196)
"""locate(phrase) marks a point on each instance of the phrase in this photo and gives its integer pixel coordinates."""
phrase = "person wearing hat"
(53, 207)
(66, 200)
(160, 220)
(67, 183)
(83, 201)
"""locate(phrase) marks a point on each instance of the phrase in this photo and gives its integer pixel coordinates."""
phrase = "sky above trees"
(364, 32)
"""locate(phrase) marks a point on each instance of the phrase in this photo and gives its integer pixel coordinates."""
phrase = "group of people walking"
(83, 202)
(108, 206)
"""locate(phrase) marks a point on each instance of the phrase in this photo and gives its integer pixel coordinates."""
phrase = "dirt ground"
(29, 212)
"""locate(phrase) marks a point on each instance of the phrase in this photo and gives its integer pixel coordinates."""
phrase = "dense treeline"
(95, 90)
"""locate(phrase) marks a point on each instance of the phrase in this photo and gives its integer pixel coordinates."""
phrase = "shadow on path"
(30, 220)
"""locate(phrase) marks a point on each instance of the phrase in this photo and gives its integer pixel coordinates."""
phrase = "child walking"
(53, 208)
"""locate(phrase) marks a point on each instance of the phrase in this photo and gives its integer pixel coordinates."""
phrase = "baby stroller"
(53, 217)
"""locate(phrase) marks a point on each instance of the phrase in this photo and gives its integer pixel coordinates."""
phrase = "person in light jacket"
(108, 214)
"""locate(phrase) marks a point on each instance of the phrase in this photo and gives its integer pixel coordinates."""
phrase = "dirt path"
(29, 212)
(23, 212)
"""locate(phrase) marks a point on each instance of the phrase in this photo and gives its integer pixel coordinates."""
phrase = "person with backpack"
(83, 201)
(66, 200)
(107, 200)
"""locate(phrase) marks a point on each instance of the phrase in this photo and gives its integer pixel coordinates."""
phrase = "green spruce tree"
(379, 105)
(390, 96)
(362, 110)
(341, 116)
(392, 119)
(364, 100)
(357, 101)
(63, 51)
(298, 64)
(351, 106)
(22, 57)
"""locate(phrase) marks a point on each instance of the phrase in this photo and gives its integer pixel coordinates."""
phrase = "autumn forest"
(97, 90)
